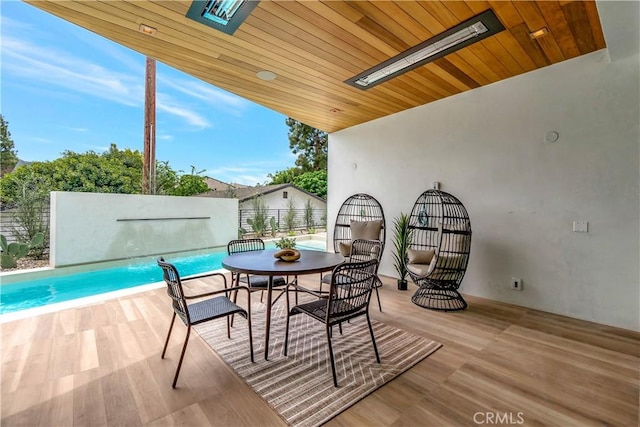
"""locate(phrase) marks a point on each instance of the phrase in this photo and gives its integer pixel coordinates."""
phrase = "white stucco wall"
(91, 227)
(487, 147)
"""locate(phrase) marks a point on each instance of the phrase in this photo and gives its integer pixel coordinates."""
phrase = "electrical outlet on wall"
(516, 284)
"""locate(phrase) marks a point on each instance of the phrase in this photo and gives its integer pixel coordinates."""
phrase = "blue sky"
(65, 88)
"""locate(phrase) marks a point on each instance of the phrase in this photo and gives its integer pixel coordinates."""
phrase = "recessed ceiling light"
(538, 33)
(266, 75)
(145, 29)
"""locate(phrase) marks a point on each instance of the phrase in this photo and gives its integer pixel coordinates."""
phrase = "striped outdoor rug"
(300, 387)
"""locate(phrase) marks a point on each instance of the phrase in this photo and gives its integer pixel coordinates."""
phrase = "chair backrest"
(351, 286)
(244, 245)
(359, 207)
(174, 290)
(440, 222)
(365, 250)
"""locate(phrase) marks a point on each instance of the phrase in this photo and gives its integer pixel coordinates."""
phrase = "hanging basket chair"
(439, 248)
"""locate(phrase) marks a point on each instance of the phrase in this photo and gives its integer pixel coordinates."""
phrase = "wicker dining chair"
(350, 292)
(201, 311)
(254, 282)
(364, 250)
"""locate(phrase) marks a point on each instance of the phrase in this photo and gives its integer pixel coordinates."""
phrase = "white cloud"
(170, 106)
(251, 173)
(51, 67)
(165, 137)
(207, 93)
(79, 129)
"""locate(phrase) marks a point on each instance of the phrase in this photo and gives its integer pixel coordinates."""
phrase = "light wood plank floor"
(100, 365)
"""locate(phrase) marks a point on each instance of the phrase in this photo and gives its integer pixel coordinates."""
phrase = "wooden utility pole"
(149, 151)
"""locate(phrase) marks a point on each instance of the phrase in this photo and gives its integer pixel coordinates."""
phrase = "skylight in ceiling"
(223, 15)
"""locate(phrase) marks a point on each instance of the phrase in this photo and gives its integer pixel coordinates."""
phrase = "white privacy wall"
(487, 147)
(92, 227)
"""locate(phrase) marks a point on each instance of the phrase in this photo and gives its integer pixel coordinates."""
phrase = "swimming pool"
(58, 288)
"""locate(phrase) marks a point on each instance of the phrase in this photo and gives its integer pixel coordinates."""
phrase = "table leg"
(268, 322)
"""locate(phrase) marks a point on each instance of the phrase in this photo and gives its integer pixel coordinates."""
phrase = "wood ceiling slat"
(326, 31)
(345, 63)
(426, 20)
(534, 20)
(594, 22)
(373, 11)
(314, 46)
(576, 15)
(468, 54)
(352, 32)
(383, 34)
(391, 11)
(503, 44)
(489, 49)
(440, 81)
(557, 24)
(391, 95)
(533, 49)
(468, 69)
(511, 45)
(441, 13)
(506, 12)
(409, 97)
(451, 69)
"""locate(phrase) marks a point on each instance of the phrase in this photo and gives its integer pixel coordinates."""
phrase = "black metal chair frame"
(364, 250)
(440, 222)
(350, 293)
(254, 282)
(201, 311)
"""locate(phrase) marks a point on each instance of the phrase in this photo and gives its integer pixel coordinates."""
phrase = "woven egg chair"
(358, 207)
(438, 252)
(361, 209)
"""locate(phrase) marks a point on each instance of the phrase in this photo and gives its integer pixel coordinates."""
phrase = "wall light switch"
(581, 226)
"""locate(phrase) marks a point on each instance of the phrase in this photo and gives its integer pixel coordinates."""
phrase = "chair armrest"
(202, 276)
(313, 292)
(220, 291)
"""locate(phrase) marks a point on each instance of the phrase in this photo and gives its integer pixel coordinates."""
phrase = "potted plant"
(286, 243)
(401, 241)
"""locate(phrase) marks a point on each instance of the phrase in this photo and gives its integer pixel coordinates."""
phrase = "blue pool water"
(40, 292)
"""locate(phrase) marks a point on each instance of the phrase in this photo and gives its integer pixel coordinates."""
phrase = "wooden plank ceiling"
(314, 46)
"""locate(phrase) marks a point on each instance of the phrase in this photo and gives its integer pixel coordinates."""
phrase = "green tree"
(310, 144)
(114, 171)
(190, 184)
(8, 154)
(313, 182)
(286, 176)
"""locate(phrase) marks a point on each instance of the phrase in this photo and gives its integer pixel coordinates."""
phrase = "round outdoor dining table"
(263, 263)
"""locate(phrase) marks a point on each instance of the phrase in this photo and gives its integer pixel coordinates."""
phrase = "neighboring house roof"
(217, 185)
(246, 193)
